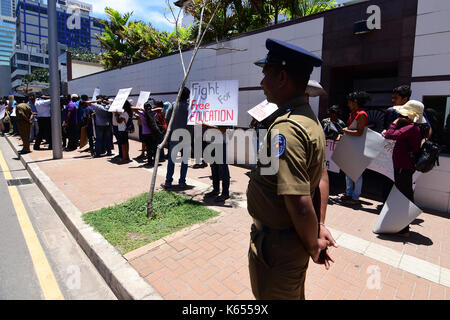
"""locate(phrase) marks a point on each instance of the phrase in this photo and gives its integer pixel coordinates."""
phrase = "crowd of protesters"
(85, 122)
(405, 122)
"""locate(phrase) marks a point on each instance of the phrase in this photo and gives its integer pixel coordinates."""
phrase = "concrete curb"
(121, 277)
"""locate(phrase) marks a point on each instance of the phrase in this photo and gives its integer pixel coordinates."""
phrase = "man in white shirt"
(43, 107)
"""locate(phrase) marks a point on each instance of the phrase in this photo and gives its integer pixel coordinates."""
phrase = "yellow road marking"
(41, 265)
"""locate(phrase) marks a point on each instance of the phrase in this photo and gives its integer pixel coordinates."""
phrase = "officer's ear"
(283, 78)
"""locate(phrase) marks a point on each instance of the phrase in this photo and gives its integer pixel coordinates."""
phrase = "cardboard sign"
(329, 163)
(263, 110)
(95, 94)
(214, 103)
(354, 154)
(397, 213)
(143, 98)
(119, 101)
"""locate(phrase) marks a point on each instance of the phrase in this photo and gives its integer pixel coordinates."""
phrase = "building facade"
(76, 29)
(72, 32)
(7, 39)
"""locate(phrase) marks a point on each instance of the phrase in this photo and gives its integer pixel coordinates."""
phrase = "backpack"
(130, 125)
(427, 157)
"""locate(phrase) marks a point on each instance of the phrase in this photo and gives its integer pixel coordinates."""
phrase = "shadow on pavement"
(414, 237)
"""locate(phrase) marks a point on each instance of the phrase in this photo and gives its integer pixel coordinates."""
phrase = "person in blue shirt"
(102, 126)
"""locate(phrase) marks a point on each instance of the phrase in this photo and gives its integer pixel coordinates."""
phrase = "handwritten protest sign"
(263, 110)
(119, 101)
(214, 103)
(383, 162)
(96, 93)
(143, 98)
(330, 164)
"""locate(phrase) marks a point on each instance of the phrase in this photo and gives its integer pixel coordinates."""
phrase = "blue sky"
(149, 11)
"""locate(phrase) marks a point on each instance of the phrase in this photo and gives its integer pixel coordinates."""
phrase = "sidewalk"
(209, 261)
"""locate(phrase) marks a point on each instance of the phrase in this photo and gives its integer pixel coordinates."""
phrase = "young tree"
(198, 41)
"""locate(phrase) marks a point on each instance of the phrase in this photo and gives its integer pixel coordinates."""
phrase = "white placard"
(397, 213)
(95, 94)
(263, 110)
(2, 111)
(329, 163)
(354, 154)
(143, 98)
(214, 103)
(383, 162)
(119, 101)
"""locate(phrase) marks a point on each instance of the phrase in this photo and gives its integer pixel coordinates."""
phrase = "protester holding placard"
(220, 172)
(122, 120)
(145, 135)
(71, 123)
(406, 132)
(356, 123)
(102, 126)
(179, 122)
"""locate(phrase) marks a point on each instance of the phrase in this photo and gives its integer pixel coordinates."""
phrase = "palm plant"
(302, 8)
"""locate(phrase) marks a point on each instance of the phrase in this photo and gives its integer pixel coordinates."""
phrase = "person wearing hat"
(70, 123)
(288, 208)
(406, 132)
(24, 122)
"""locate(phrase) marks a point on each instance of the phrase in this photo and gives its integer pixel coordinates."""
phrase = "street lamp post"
(54, 82)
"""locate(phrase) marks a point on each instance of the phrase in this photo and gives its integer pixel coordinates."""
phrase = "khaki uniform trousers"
(24, 132)
(277, 264)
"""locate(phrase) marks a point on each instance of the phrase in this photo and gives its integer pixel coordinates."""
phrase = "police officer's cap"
(288, 55)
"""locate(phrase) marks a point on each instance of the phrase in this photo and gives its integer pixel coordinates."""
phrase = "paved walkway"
(209, 261)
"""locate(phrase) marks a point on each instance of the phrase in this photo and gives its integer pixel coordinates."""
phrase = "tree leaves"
(127, 42)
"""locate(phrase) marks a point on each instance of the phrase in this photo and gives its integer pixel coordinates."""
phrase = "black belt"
(261, 227)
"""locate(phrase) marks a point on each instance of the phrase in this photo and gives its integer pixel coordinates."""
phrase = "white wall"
(165, 74)
(432, 58)
(81, 69)
(432, 46)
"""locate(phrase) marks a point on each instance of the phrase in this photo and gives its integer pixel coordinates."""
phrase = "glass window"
(37, 59)
(437, 109)
(22, 56)
(22, 67)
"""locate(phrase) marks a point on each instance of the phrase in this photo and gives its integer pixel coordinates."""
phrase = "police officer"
(24, 122)
(288, 207)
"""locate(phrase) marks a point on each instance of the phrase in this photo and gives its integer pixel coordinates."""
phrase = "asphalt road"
(39, 259)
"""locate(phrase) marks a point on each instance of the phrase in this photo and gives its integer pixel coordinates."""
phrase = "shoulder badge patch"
(280, 145)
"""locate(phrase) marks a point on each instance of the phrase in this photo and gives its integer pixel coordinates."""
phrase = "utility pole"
(54, 82)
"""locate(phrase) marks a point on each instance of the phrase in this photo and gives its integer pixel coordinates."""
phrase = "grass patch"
(127, 227)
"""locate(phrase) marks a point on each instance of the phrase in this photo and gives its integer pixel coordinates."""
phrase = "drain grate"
(19, 182)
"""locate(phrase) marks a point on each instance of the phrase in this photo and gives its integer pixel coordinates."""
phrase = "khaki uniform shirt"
(22, 110)
(301, 152)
